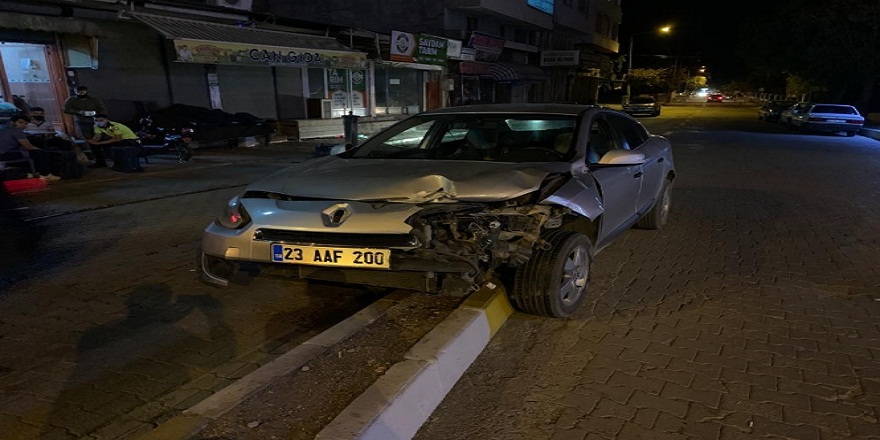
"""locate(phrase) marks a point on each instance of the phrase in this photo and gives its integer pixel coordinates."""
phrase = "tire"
(555, 281)
(656, 217)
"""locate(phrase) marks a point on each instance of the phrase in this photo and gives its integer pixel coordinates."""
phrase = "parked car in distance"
(642, 105)
(714, 97)
(447, 200)
(770, 110)
(828, 118)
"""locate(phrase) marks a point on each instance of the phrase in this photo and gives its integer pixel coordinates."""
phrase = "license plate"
(835, 121)
(331, 256)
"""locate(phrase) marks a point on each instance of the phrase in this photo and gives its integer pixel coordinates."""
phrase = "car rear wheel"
(556, 279)
(850, 134)
(659, 213)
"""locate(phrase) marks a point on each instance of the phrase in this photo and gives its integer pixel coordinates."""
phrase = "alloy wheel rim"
(574, 276)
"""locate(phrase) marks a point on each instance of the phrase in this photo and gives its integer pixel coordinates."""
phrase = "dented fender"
(581, 197)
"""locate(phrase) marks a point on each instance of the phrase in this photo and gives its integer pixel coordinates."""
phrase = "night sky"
(702, 34)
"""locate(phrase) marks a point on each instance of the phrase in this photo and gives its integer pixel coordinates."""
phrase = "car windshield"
(474, 137)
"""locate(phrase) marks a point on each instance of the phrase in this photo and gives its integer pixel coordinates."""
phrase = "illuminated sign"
(415, 48)
(216, 52)
(542, 5)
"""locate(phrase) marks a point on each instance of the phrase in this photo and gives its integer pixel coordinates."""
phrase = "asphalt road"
(753, 314)
(106, 331)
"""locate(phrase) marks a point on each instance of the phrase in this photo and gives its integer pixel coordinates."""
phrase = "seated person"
(44, 134)
(109, 134)
(14, 145)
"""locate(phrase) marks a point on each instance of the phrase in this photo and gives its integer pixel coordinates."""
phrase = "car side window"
(602, 140)
(632, 134)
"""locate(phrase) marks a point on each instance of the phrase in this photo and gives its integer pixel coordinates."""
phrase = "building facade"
(299, 59)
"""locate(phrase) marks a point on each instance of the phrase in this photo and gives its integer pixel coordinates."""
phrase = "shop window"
(398, 91)
(79, 50)
(317, 88)
(473, 24)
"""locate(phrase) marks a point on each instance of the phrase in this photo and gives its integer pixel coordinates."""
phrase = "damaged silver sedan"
(447, 200)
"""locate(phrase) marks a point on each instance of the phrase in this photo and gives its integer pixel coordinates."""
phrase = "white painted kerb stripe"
(399, 402)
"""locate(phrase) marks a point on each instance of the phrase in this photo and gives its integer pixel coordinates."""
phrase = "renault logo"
(336, 214)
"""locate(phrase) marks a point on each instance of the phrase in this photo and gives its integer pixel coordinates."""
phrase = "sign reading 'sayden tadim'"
(415, 48)
(213, 52)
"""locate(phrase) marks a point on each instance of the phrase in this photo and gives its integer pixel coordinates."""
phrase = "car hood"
(407, 181)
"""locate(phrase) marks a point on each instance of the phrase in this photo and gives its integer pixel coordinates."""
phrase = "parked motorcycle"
(159, 140)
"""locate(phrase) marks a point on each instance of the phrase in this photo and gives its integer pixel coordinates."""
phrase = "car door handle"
(637, 175)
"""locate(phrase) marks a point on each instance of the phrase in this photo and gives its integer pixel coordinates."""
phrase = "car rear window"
(839, 109)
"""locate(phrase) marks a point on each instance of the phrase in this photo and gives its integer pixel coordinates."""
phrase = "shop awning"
(208, 42)
(405, 65)
(44, 23)
(505, 71)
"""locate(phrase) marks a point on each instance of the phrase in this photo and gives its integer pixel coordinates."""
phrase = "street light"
(629, 60)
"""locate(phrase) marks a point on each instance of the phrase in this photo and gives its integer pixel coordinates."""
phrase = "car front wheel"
(555, 279)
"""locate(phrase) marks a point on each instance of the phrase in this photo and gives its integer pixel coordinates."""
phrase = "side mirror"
(622, 157)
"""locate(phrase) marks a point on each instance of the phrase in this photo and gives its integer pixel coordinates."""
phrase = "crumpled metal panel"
(407, 181)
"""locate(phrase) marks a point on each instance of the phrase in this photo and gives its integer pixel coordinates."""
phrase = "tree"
(829, 45)
(647, 81)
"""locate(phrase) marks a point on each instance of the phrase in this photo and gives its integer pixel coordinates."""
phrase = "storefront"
(482, 77)
(36, 55)
(271, 74)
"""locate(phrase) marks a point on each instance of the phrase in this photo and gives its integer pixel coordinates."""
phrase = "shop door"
(432, 94)
(30, 77)
(247, 89)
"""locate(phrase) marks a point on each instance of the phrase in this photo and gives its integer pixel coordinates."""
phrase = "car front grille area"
(337, 239)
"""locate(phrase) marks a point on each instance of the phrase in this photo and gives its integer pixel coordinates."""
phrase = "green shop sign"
(415, 48)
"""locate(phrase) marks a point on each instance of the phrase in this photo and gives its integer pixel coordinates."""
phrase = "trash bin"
(350, 128)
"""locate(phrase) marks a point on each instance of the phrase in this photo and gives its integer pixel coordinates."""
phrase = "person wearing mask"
(14, 144)
(45, 134)
(84, 107)
(109, 134)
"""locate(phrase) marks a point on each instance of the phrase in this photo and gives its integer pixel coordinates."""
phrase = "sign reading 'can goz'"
(215, 52)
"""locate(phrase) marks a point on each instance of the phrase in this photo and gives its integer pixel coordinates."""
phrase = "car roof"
(566, 109)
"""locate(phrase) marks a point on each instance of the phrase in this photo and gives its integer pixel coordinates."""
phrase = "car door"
(636, 138)
(618, 184)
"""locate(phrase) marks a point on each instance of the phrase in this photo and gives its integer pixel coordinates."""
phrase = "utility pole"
(629, 59)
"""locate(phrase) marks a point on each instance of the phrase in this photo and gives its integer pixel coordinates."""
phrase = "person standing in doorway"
(84, 107)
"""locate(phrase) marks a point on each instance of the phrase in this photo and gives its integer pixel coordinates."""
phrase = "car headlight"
(234, 215)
